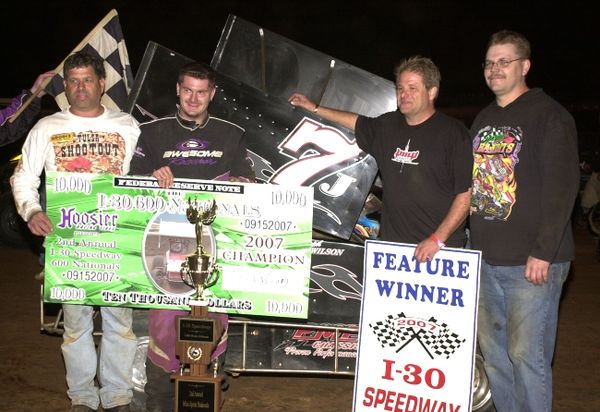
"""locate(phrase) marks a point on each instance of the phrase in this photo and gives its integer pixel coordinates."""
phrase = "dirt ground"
(32, 372)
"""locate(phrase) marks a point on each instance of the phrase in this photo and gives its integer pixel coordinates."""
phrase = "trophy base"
(194, 393)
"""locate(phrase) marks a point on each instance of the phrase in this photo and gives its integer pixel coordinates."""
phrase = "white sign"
(418, 325)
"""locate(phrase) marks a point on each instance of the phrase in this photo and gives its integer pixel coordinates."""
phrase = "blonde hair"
(421, 65)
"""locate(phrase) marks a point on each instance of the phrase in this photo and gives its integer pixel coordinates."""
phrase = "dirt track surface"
(32, 372)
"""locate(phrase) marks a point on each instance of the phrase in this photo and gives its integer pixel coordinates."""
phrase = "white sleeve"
(25, 180)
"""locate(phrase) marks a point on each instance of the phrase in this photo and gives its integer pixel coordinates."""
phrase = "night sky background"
(372, 35)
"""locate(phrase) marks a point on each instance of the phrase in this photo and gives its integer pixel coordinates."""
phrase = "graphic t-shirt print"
(89, 152)
(405, 156)
(496, 152)
(193, 152)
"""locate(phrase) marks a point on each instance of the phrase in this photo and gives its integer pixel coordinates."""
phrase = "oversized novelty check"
(121, 241)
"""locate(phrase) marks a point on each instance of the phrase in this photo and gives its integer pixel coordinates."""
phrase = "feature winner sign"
(417, 330)
(121, 240)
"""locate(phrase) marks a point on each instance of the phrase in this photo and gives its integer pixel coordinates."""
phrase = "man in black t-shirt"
(424, 158)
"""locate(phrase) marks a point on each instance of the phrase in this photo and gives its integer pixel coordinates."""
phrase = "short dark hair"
(512, 37)
(84, 59)
(198, 71)
(423, 66)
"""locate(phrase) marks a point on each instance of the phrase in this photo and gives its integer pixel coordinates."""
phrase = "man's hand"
(39, 81)
(164, 177)
(39, 224)
(426, 250)
(536, 271)
(346, 119)
(298, 99)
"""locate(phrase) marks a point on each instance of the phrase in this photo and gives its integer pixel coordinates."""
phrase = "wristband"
(438, 242)
(316, 109)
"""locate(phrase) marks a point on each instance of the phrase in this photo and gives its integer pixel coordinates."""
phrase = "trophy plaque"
(198, 388)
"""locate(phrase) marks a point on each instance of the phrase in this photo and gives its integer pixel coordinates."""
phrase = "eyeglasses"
(501, 64)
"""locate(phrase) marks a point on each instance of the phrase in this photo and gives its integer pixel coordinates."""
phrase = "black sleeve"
(141, 162)
(462, 161)
(364, 132)
(560, 183)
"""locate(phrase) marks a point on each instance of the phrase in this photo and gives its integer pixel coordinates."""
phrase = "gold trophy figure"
(200, 215)
(197, 335)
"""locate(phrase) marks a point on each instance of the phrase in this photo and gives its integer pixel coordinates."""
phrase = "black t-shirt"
(214, 150)
(422, 168)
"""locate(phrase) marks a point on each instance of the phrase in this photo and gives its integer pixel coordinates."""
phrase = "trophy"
(197, 335)
(199, 270)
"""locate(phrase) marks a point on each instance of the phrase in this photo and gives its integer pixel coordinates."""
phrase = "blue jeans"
(117, 353)
(517, 323)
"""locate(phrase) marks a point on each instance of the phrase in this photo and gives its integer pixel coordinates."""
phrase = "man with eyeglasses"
(424, 158)
(525, 181)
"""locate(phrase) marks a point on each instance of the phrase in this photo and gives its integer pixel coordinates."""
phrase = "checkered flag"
(439, 341)
(384, 332)
(388, 335)
(443, 343)
(106, 41)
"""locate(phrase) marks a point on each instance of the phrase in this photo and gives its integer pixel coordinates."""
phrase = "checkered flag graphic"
(106, 41)
(443, 343)
(384, 332)
(439, 341)
(388, 335)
